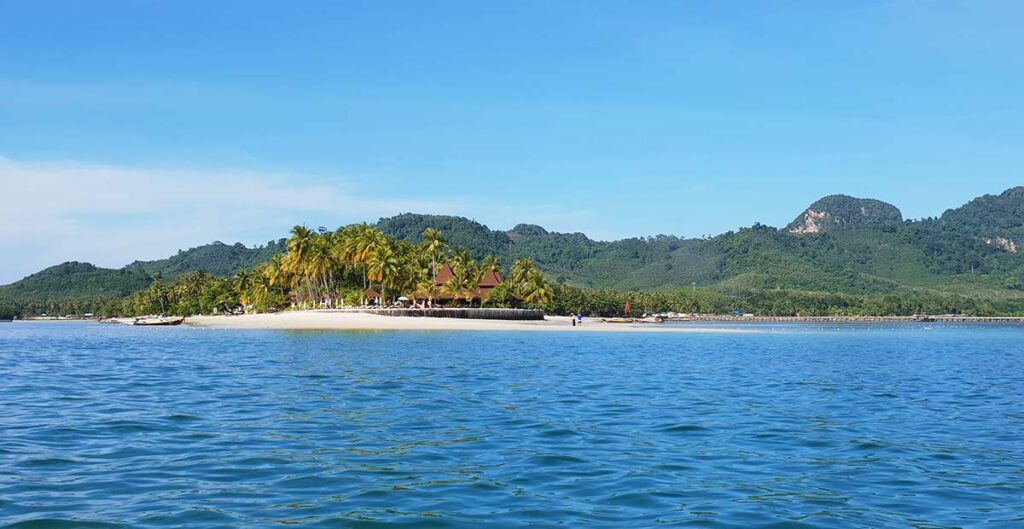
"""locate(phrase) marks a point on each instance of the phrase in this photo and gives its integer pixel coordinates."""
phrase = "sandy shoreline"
(310, 320)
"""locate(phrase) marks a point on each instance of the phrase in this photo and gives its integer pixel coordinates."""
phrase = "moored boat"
(159, 320)
(618, 320)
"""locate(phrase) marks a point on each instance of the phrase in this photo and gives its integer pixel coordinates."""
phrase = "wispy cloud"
(107, 215)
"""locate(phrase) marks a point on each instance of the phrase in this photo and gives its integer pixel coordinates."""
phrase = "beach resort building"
(490, 280)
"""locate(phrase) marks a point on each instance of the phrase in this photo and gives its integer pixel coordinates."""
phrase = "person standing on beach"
(572, 318)
(579, 319)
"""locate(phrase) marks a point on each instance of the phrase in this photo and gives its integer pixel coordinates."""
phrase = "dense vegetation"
(864, 248)
(325, 269)
(80, 288)
(712, 300)
(8, 309)
(842, 211)
(216, 258)
(862, 259)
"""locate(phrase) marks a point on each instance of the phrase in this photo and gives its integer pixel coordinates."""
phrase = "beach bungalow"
(490, 279)
(371, 296)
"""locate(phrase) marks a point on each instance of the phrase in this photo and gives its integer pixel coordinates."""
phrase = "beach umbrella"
(403, 298)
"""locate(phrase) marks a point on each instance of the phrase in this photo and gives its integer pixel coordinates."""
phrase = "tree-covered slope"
(75, 280)
(989, 215)
(216, 258)
(838, 244)
(842, 211)
(458, 231)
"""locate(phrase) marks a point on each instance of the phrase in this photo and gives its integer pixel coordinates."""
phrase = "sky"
(132, 129)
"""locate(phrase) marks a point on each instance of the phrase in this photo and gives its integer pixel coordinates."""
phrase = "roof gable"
(491, 279)
(444, 275)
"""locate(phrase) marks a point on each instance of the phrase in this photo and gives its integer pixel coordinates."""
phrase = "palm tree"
(321, 263)
(434, 246)
(490, 264)
(359, 242)
(523, 271)
(539, 293)
(299, 246)
(300, 242)
(528, 282)
(382, 266)
(241, 282)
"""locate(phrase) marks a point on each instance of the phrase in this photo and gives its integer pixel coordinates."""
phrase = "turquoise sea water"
(791, 427)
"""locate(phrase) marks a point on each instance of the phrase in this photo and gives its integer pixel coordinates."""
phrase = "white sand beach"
(316, 320)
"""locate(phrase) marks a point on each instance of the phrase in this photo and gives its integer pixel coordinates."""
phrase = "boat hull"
(154, 322)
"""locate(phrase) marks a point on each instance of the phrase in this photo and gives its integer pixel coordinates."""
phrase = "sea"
(779, 426)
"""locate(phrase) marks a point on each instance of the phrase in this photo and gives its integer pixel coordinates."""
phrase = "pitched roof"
(371, 293)
(491, 279)
(444, 275)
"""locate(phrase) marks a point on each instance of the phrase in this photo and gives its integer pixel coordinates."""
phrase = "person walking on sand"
(572, 318)
(579, 319)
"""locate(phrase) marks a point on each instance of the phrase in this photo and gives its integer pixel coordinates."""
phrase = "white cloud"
(110, 216)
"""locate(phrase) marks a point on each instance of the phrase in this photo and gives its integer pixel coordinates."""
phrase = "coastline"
(352, 321)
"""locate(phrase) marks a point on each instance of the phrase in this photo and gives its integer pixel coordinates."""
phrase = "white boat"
(159, 320)
(122, 321)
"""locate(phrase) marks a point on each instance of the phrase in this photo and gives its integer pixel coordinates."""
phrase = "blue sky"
(234, 120)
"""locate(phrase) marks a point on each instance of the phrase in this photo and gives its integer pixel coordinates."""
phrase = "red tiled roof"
(444, 275)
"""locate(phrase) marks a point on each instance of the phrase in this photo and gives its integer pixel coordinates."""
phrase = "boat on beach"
(618, 320)
(159, 320)
(121, 321)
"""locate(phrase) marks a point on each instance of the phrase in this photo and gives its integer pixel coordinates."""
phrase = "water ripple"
(799, 427)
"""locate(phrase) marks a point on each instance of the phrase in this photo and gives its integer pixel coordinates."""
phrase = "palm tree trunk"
(309, 287)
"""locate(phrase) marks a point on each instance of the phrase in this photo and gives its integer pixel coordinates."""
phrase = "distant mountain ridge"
(73, 279)
(215, 258)
(839, 244)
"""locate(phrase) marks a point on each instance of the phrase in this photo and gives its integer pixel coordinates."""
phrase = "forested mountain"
(75, 280)
(839, 244)
(842, 211)
(216, 258)
(78, 280)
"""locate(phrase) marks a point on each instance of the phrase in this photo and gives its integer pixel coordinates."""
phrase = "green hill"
(216, 258)
(84, 281)
(77, 280)
(839, 244)
(842, 211)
